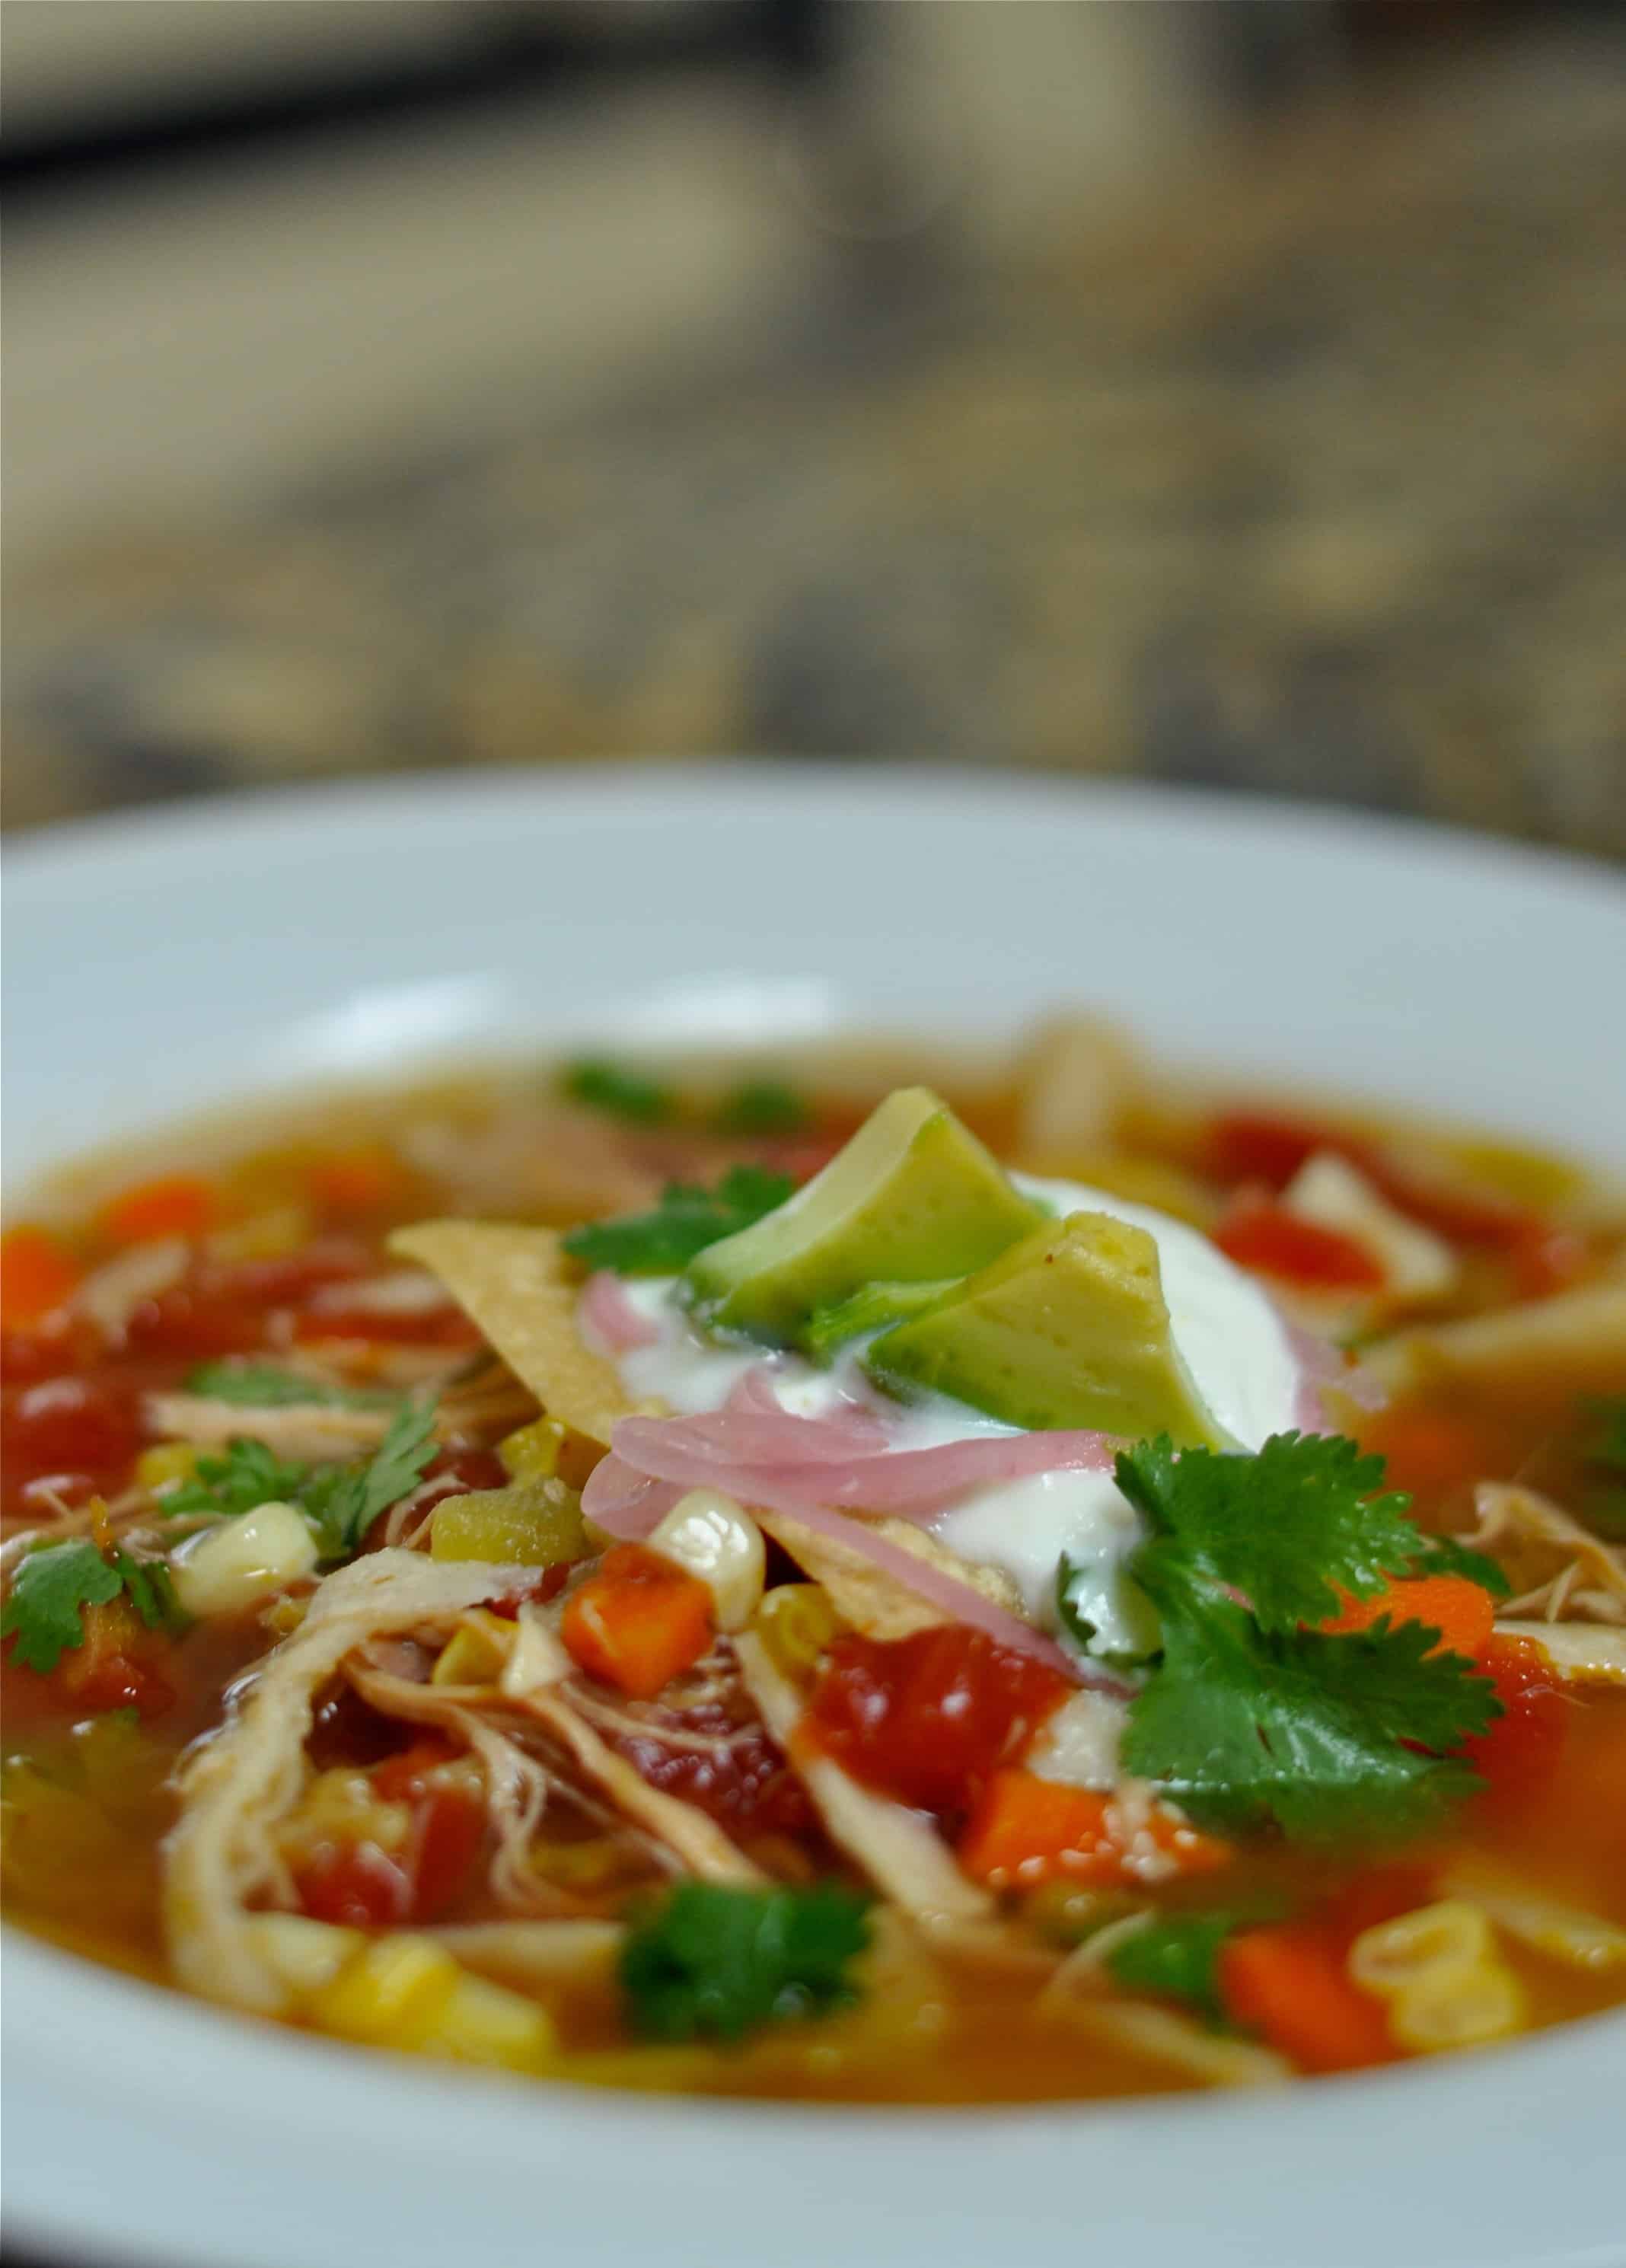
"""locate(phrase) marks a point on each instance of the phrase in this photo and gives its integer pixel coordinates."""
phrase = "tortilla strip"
(306, 1431)
(520, 1288)
(240, 1784)
(1576, 1341)
(687, 1832)
(1583, 1653)
(893, 1845)
(865, 1596)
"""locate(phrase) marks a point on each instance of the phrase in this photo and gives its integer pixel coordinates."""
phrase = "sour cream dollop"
(1234, 1342)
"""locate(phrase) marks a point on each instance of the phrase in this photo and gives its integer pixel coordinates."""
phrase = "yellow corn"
(533, 1524)
(390, 1993)
(595, 1863)
(1440, 1972)
(165, 1463)
(305, 1955)
(476, 1653)
(267, 1234)
(797, 1623)
(532, 1452)
(1395, 1955)
(484, 2023)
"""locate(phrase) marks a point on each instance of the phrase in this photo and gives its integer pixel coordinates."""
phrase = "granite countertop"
(1313, 480)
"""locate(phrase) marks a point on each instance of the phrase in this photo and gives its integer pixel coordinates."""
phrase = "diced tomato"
(928, 1718)
(1523, 1747)
(1253, 1145)
(448, 1327)
(78, 1426)
(1546, 1259)
(743, 1783)
(1380, 1893)
(38, 1275)
(367, 1178)
(175, 1204)
(357, 1885)
(194, 1320)
(1259, 1234)
(116, 1667)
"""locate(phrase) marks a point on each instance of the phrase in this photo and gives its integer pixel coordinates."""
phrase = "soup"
(783, 1579)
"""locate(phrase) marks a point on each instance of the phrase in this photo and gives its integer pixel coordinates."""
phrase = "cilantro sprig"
(664, 1240)
(618, 1091)
(716, 1962)
(1254, 1715)
(339, 1501)
(762, 1105)
(1176, 1957)
(52, 1587)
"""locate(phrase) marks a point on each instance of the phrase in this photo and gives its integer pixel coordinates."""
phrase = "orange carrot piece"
(638, 1622)
(1462, 1612)
(1287, 1982)
(37, 1276)
(175, 1204)
(364, 1179)
(1025, 1831)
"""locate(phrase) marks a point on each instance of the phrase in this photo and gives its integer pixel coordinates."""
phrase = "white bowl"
(162, 962)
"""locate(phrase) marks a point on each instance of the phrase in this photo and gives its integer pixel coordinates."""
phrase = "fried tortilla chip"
(868, 1597)
(520, 1287)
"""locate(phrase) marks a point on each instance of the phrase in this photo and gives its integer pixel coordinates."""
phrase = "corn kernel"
(1389, 1958)
(270, 1234)
(389, 1993)
(1464, 2005)
(713, 1538)
(480, 2022)
(477, 1652)
(305, 1955)
(797, 1623)
(243, 1560)
(164, 1464)
(532, 1452)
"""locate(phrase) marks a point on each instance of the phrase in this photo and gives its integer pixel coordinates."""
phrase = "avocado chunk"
(1069, 1328)
(912, 1198)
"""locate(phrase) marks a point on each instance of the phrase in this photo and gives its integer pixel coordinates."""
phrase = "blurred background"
(1221, 391)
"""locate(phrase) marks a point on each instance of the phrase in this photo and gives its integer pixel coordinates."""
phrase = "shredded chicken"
(315, 1432)
(1566, 1574)
(398, 1291)
(895, 1846)
(582, 1950)
(110, 1295)
(238, 1785)
(1582, 1654)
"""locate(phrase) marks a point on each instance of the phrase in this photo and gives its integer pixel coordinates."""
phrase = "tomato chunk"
(70, 1426)
(37, 1276)
(1523, 1747)
(928, 1718)
(1262, 1235)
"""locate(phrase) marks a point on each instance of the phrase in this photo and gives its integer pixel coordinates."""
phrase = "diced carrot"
(638, 1622)
(1259, 1234)
(1462, 1612)
(366, 1179)
(113, 1667)
(1287, 1982)
(176, 1204)
(1431, 1452)
(1026, 1830)
(37, 1276)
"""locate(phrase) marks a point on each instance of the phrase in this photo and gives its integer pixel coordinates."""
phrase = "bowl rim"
(194, 2168)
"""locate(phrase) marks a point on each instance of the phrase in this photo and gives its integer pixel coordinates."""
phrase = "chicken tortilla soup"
(840, 1577)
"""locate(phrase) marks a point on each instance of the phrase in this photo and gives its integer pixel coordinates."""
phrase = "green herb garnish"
(1255, 1715)
(53, 1587)
(340, 1501)
(262, 1386)
(618, 1091)
(762, 1105)
(716, 1962)
(1176, 1957)
(687, 1219)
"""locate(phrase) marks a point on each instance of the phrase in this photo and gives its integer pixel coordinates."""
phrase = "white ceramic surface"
(160, 963)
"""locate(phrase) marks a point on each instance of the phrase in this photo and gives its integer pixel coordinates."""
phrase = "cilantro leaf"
(1447, 1555)
(687, 1219)
(717, 1963)
(248, 1475)
(1176, 1957)
(53, 1587)
(262, 1386)
(48, 1592)
(1289, 1528)
(342, 1501)
(1245, 1726)
(762, 1105)
(619, 1092)
(151, 1592)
